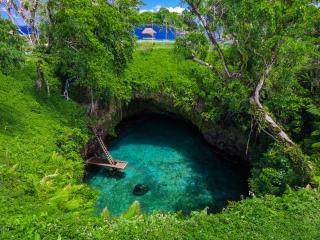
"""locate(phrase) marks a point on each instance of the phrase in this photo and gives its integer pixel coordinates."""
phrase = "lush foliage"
(194, 44)
(36, 175)
(42, 195)
(274, 41)
(91, 42)
(11, 47)
(163, 17)
(195, 93)
(41, 170)
(188, 87)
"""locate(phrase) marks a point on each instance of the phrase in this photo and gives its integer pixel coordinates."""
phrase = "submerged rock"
(113, 173)
(140, 189)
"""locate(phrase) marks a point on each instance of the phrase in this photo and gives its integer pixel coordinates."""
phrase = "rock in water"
(140, 189)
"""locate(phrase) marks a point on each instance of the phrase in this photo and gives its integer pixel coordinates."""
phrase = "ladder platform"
(121, 165)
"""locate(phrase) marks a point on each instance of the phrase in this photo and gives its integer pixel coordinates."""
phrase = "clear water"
(172, 159)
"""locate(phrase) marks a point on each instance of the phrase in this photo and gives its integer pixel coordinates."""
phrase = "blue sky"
(3, 14)
(154, 5)
(151, 4)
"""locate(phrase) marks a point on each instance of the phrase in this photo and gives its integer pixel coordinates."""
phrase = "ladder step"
(111, 163)
(103, 147)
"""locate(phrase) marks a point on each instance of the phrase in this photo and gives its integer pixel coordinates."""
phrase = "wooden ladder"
(103, 147)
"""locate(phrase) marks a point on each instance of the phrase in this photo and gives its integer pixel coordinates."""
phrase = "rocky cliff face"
(225, 137)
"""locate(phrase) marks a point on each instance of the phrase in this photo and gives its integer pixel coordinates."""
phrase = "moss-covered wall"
(226, 138)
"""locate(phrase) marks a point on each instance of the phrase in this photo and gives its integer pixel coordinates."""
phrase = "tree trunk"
(28, 15)
(39, 82)
(263, 116)
(46, 82)
(212, 38)
(297, 159)
(208, 65)
(93, 104)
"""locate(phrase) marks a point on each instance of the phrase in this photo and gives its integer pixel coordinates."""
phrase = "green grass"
(31, 126)
(142, 45)
(42, 195)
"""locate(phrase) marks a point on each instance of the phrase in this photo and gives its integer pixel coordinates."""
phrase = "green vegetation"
(165, 17)
(271, 45)
(185, 21)
(11, 47)
(265, 82)
(93, 45)
(182, 82)
(144, 45)
(37, 177)
(43, 197)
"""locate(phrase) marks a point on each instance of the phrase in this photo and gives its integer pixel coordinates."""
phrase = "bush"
(11, 47)
(70, 141)
(280, 166)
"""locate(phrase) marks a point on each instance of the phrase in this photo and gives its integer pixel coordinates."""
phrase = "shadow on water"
(110, 173)
(172, 158)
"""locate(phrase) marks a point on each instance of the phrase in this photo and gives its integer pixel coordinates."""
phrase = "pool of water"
(170, 157)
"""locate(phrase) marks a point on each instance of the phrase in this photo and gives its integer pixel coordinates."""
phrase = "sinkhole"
(181, 171)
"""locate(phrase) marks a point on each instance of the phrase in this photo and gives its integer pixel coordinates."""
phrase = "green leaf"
(316, 145)
(105, 214)
(313, 109)
(133, 211)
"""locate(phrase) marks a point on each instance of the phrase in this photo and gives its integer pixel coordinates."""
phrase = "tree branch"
(272, 125)
(211, 37)
(243, 62)
(31, 19)
(249, 136)
(8, 6)
(29, 16)
(208, 65)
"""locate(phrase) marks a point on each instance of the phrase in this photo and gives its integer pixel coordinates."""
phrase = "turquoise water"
(172, 159)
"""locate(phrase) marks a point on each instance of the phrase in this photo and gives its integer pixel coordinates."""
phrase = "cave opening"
(171, 159)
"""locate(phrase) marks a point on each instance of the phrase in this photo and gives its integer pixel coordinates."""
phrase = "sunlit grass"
(154, 44)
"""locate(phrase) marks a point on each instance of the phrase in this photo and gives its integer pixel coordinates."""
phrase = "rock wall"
(225, 137)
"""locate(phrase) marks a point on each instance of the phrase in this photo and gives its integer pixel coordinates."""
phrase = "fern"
(316, 145)
(133, 211)
(314, 110)
(105, 214)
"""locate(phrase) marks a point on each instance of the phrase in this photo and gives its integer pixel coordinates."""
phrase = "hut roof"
(149, 31)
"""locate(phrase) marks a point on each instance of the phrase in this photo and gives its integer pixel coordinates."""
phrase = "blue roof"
(24, 30)
(162, 33)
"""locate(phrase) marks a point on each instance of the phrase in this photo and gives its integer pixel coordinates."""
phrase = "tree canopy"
(270, 44)
(28, 11)
(11, 46)
(165, 17)
(92, 41)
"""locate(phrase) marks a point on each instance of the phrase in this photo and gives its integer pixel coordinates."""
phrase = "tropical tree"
(269, 43)
(11, 47)
(189, 21)
(27, 10)
(92, 42)
(146, 17)
(162, 17)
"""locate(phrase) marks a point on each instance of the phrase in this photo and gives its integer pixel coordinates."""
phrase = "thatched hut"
(149, 33)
